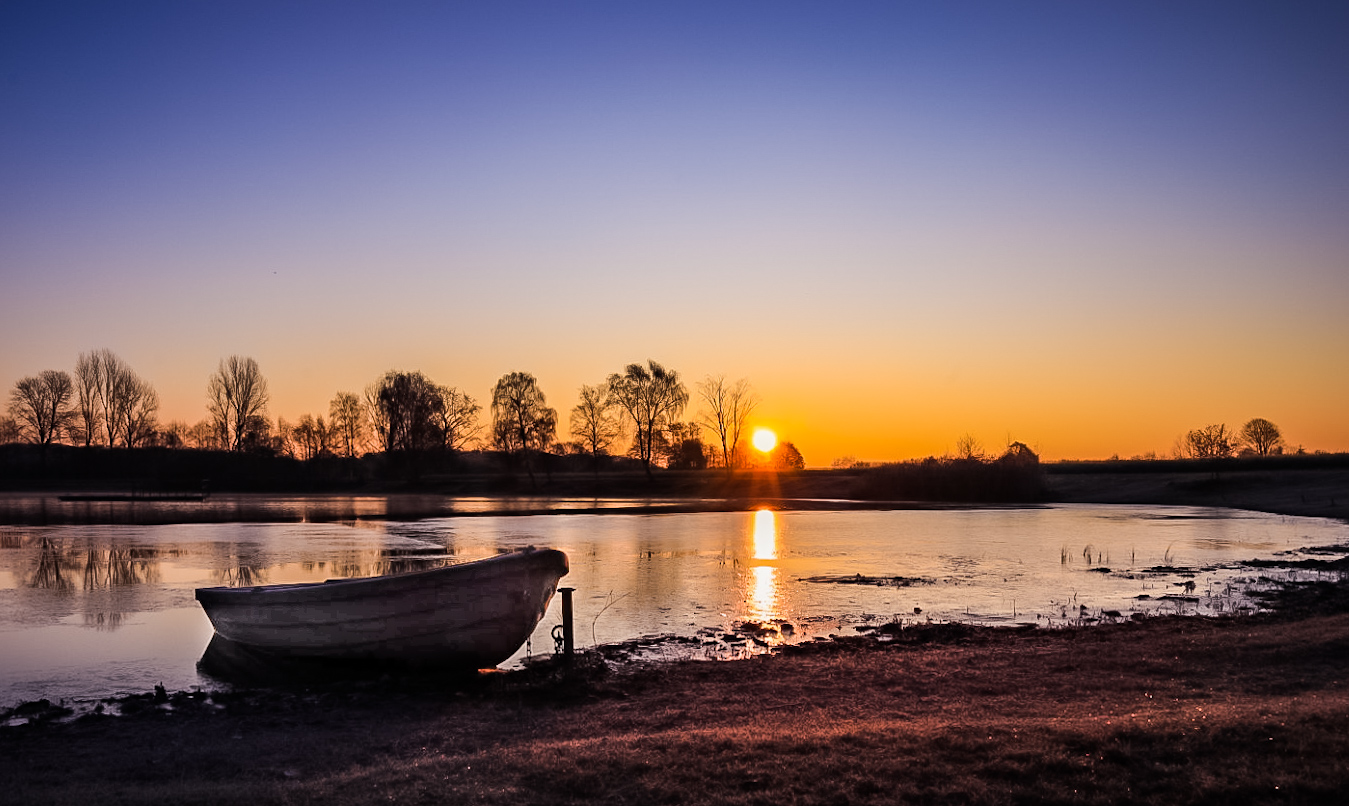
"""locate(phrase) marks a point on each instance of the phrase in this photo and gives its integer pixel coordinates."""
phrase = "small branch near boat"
(612, 601)
(859, 579)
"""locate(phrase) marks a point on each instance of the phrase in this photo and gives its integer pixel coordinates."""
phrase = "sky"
(1088, 227)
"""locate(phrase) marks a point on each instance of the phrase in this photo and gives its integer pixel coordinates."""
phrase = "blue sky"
(1088, 227)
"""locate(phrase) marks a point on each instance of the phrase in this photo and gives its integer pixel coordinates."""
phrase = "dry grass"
(1169, 711)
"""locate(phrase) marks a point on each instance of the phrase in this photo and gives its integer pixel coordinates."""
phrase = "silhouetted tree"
(236, 400)
(1209, 442)
(1019, 454)
(729, 406)
(9, 430)
(1260, 437)
(967, 447)
(40, 405)
(138, 413)
(204, 436)
(457, 419)
(346, 418)
(175, 434)
(310, 437)
(652, 397)
(594, 421)
(89, 388)
(283, 444)
(786, 457)
(113, 401)
(406, 408)
(522, 421)
(257, 435)
(683, 450)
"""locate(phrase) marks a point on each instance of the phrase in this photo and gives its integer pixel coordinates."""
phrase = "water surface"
(91, 611)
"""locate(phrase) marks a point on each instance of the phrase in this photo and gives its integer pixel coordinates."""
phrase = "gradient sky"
(1089, 227)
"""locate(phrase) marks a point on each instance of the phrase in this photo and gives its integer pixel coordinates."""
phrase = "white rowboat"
(472, 615)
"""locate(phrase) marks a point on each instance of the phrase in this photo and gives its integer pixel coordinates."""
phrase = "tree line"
(637, 412)
(1258, 437)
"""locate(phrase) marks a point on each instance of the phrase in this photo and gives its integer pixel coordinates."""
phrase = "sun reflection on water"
(763, 578)
(765, 535)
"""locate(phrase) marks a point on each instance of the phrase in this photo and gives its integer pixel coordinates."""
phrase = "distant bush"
(1014, 477)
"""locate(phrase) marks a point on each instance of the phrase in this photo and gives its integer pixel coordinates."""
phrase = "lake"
(94, 611)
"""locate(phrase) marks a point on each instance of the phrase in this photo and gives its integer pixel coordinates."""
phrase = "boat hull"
(472, 615)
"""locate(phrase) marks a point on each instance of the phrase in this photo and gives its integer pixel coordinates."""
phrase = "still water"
(93, 611)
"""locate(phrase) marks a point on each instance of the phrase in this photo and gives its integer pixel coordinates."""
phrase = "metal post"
(568, 633)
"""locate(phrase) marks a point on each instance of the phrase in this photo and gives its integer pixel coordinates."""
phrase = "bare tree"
(1209, 442)
(377, 415)
(236, 400)
(405, 408)
(729, 406)
(41, 405)
(89, 387)
(457, 419)
(969, 448)
(204, 436)
(137, 410)
(283, 439)
(594, 421)
(174, 434)
(311, 437)
(653, 397)
(522, 421)
(9, 430)
(115, 405)
(1260, 437)
(346, 418)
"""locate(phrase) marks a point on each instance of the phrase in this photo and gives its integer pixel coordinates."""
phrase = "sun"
(764, 439)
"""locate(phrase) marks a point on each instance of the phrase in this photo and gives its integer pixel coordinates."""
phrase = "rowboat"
(471, 615)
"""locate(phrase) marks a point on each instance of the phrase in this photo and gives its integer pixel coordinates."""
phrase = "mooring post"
(568, 633)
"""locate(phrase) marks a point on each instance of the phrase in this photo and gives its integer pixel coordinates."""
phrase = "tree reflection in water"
(118, 567)
(380, 562)
(242, 576)
(99, 569)
(104, 622)
(50, 573)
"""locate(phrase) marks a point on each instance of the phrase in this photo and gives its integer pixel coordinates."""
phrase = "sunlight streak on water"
(765, 535)
(763, 593)
(763, 583)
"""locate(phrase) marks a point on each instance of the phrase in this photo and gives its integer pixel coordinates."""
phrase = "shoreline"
(1322, 493)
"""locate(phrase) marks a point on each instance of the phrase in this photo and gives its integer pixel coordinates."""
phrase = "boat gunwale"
(221, 592)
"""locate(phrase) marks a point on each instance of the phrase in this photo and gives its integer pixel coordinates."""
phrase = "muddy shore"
(1169, 710)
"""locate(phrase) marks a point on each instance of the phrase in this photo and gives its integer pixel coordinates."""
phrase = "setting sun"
(765, 440)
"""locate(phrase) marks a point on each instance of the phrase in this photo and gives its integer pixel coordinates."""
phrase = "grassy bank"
(1317, 492)
(1170, 710)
